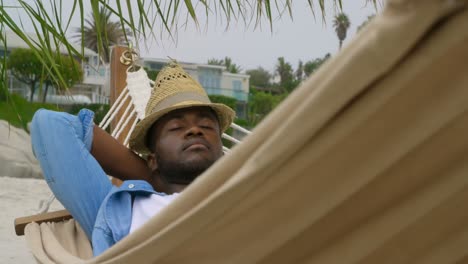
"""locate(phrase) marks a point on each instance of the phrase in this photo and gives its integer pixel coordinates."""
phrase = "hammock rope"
(116, 110)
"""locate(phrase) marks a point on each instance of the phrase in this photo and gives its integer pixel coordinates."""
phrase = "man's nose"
(193, 130)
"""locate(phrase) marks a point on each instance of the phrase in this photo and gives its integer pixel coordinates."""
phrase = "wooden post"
(118, 81)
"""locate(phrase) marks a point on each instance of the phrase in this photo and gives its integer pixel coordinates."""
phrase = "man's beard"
(177, 172)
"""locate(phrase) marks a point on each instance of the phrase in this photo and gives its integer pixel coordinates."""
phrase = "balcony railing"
(96, 76)
(238, 94)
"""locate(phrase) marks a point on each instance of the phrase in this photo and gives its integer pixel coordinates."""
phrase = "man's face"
(187, 142)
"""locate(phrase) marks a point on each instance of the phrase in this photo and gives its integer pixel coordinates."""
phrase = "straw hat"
(174, 89)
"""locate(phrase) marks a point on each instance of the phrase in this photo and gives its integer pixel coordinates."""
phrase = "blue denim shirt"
(62, 142)
(115, 215)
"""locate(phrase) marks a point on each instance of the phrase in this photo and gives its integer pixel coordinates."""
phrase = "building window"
(236, 85)
(209, 79)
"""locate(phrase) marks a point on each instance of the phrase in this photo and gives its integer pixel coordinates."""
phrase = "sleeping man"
(180, 137)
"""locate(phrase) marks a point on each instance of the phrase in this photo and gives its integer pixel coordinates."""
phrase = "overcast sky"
(303, 38)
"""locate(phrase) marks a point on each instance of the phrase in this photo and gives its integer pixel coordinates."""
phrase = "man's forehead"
(200, 110)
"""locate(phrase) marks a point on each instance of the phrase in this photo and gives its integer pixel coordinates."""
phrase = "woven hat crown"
(170, 81)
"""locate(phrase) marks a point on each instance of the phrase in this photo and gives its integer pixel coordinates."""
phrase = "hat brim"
(138, 138)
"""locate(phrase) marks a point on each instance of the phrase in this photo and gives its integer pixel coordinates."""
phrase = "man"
(180, 136)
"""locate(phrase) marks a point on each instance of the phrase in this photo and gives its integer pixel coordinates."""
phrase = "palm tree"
(230, 66)
(341, 24)
(285, 73)
(300, 71)
(226, 62)
(100, 34)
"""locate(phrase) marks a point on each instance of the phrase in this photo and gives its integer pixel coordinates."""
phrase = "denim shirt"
(115, 215)
(62, 143)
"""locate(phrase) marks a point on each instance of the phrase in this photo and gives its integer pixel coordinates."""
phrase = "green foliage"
(231, 102)
(3, 76)
(260, 104)
(312, 65)
(226, 62)
(221, 99)
(285, 71)
(299, 74)
(71, 71)
(214, 61)
(151, 74)
(3, 88)
(3, 92)
(26, 67)
(242, 122)
(369, 19)
(19, 112)
(259, 77)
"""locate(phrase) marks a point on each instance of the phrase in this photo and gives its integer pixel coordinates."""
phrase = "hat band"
(180, 97)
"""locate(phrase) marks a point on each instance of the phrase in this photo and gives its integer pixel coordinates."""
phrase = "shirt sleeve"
(62, 142)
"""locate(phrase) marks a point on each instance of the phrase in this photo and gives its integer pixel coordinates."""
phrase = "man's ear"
(152, 162)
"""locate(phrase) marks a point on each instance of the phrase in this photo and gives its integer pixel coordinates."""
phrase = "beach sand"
(19, 197)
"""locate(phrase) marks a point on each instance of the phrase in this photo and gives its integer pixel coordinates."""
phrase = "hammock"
(127, 109)
(366, 162)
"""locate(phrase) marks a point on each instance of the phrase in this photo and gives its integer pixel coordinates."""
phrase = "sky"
(304, 37)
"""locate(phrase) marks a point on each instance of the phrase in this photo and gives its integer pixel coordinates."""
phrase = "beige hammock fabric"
(367, 162)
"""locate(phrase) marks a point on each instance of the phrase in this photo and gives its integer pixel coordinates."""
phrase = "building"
(93, 89)
(214, 79)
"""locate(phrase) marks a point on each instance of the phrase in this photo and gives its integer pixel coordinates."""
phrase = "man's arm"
(116, 159)
(61, 143)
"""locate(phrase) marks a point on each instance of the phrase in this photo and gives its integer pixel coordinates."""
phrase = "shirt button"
(131, 186)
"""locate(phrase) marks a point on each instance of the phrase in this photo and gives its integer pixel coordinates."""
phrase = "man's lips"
(195, 144)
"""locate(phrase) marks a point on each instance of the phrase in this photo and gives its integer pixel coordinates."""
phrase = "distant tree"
(369, 19)
(3, 86)
(231, 67)
(313, 65)
(285, 72)
(152, 74)
(300, 71)
(112, 32)
(226, 62)
(214, 61)
(26, 67)
(259, 77)
(3, 92)
(222, 99)
(229, 101)
(261, 104)
(3, 83)
(70, 70)
(341, 24)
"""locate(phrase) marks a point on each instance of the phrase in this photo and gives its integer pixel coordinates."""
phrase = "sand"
(19, 197)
